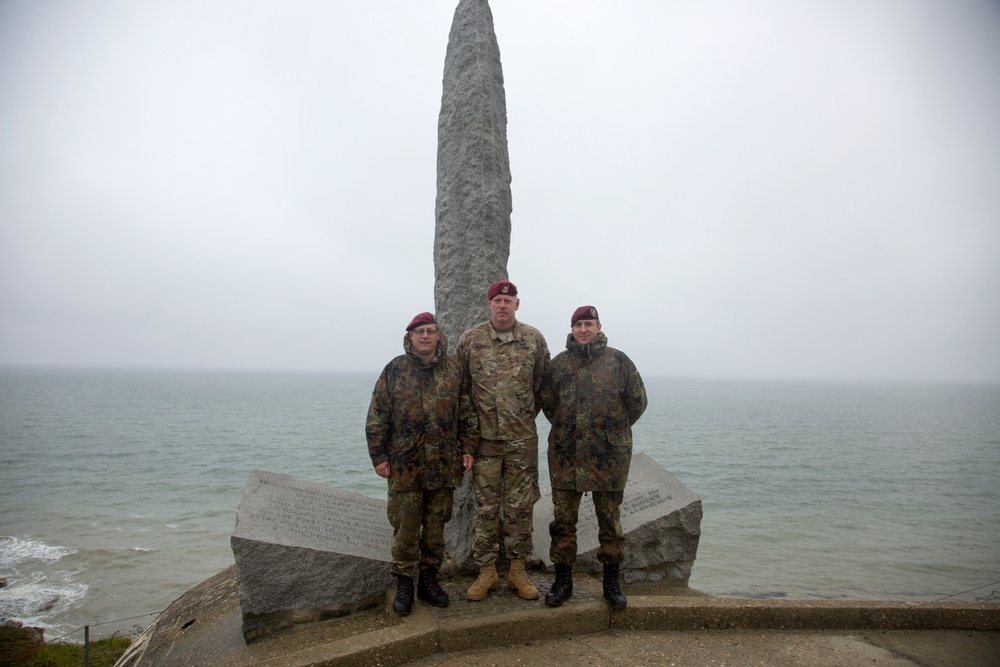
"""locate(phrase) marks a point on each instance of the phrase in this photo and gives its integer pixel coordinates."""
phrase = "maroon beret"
(421, 319)
(501, 287)
(584, 313)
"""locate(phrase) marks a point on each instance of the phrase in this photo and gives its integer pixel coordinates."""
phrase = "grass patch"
(22, 647)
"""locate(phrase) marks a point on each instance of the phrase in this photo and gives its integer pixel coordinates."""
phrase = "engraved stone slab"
(305, 551)
(661, 519)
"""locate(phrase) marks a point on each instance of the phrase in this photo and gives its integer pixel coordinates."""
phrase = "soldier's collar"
(508, 335)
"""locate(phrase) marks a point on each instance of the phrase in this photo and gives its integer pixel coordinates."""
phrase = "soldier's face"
(425, 340)
(502, 309)
(585, 331)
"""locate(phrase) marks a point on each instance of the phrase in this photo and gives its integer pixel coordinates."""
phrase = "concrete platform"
(668, 626)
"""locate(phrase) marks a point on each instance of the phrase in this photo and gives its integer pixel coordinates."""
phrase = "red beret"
(501, 287)
(584, 313)
(421, 319)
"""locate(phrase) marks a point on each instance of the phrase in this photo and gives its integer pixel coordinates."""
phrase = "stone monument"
(472, 228)
(307, 552)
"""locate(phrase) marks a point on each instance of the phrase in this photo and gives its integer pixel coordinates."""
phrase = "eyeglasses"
(426, 330)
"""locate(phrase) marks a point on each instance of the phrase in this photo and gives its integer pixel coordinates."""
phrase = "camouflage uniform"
(504, 372)
(420, 422)
(593, 396)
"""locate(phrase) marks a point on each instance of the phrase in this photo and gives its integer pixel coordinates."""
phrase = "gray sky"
(775, 189)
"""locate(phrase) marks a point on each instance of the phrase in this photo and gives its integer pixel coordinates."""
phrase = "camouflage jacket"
(592, 397)
(420, 422)
(503, 375)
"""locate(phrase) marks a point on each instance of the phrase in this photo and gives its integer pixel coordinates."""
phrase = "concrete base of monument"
(204, 627)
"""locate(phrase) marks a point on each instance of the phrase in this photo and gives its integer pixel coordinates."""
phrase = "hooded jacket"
(592, 397)
(420, 422)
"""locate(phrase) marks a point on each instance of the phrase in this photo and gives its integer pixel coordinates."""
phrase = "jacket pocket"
(619, 438)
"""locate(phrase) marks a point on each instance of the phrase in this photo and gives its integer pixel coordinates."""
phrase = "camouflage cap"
(421, 319)
(584, 313)
(501, 287)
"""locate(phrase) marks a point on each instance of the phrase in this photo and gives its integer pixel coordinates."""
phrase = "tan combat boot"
(486, 582)
(517, 578)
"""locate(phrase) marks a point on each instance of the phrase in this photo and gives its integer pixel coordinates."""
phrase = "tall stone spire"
(472, 230)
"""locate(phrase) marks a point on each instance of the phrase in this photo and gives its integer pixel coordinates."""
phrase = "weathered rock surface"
(661, 519)
(305, 551)
(458, 535)
(472, 231)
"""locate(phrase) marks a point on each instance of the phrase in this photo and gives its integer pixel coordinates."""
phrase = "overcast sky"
(768, 189)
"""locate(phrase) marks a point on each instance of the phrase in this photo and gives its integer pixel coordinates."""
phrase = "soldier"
(421, 433)
(593, 397)
(504, 362)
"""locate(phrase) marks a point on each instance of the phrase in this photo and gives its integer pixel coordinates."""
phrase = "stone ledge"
(671, 613)
(203, 626)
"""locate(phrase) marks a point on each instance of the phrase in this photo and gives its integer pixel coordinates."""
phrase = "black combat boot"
(429, 590)
(612, 589)
(404, 595)
(562, 587)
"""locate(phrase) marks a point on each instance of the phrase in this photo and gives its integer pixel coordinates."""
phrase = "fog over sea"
(119, 489)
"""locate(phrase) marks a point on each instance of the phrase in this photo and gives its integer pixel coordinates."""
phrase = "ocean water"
(119, 489)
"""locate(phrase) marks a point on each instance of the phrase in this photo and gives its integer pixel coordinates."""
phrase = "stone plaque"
(278, 509)
(305, 551)
(661, 519)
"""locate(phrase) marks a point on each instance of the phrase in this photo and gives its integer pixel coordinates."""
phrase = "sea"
(119, 488)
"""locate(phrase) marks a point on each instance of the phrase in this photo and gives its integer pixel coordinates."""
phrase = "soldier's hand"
(467, 462)
(382, 469)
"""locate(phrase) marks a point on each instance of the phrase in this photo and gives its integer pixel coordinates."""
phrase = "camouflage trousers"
(418, 519)
(505, 474)
(566, 509)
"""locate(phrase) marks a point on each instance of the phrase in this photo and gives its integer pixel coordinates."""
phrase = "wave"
(39, 585)
(14, 551)
(33, 603)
